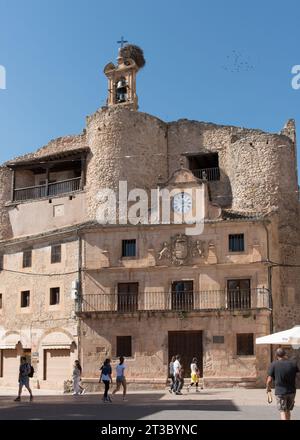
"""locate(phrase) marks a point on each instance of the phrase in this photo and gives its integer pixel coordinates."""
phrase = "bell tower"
(122, 77)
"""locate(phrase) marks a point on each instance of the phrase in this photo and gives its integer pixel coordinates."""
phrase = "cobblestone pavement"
(210, 404)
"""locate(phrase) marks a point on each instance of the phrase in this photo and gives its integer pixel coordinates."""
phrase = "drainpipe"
(78, 305)
(269, 283)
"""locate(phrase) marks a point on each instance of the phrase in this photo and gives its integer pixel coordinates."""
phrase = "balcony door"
(128, 297)
(182, 295)
(238, 294)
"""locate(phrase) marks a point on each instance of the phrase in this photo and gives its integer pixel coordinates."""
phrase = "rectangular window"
(245, 345)
(128, 248)
(236, 243)
(124, 346)
(56, 253)
(54, 296)
(1, 261)
(0, 301)
(25, 298)
(27, 258)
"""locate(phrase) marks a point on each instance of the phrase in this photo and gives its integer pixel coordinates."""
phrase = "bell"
(122, 97)
(121, 84)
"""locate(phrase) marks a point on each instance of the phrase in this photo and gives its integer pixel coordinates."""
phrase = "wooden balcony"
(50, 190)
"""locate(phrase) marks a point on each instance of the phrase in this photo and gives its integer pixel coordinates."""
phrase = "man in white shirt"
(178, 382)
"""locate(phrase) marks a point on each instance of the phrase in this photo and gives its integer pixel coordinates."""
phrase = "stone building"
(73, 287)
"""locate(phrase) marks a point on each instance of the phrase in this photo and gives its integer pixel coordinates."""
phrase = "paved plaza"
(210, 404)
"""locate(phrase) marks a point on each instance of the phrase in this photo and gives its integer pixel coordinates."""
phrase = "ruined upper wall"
(258, 169)
(65, 143)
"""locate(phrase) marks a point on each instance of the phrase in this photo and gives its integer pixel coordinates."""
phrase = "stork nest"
(135, 53)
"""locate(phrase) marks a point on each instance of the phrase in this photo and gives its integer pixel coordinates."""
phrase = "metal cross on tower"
(122, 41)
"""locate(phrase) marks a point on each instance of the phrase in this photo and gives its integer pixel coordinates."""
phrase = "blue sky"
(227, 62)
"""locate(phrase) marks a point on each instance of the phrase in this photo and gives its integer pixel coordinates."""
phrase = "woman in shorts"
(121, 380)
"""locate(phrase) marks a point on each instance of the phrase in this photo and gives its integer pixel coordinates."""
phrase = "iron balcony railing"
(52, 189)
(245, 299)
(209, 174)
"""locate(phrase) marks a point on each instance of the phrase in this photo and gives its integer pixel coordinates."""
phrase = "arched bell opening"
(121, 90)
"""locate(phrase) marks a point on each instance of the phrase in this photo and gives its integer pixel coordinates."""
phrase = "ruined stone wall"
(257, 168)
(65, 143)
(125, 145)
(5, 195)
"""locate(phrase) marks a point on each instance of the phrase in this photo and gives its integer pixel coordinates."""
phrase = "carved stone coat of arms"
(180, 249)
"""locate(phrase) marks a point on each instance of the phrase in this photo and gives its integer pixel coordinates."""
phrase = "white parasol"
(287, 337)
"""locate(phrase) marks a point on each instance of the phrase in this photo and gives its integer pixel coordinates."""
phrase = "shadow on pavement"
(91, 407)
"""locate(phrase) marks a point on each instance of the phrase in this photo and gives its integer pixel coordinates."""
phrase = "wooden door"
(128, 297)
(188, 344)
(57, 365)
(11, 365)
(238, 294)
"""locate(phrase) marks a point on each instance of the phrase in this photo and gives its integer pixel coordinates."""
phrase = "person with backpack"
(25, 372)
(121, 380)
(105, 377)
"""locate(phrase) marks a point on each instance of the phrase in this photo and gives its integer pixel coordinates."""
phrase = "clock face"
(182, 203)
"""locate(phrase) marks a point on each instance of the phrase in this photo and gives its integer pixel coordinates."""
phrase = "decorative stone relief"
(212, 255)
(181, 249)
(151, 257)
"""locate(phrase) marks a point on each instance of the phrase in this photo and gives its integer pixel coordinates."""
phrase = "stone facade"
(30, 327)
(255, 193)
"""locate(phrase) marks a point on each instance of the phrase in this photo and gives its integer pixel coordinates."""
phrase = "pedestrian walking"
(283, 372)
(77, 371)
(171, 373)
(105, 377)
(195, 375)
(121, 379)
(178, 375)
(25, 371)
